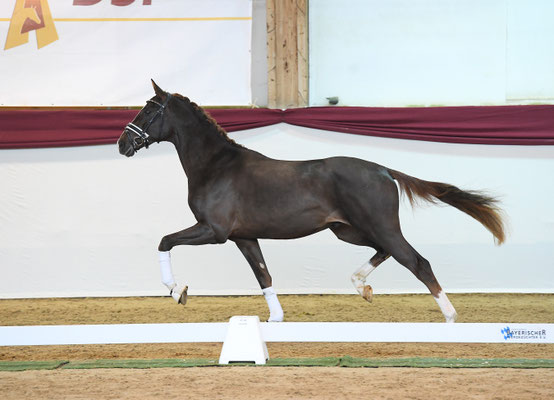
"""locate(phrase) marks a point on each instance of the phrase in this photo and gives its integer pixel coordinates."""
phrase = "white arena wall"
(85, 221)
(431, 52)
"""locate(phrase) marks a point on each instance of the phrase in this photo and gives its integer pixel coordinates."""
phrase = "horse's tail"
(476, 204)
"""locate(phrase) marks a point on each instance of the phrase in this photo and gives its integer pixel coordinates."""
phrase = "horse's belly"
(269, 224)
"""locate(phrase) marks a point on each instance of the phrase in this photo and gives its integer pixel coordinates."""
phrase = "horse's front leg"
(195, 235)
(250, 248)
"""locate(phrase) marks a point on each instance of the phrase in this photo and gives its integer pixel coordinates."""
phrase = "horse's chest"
(206, 203)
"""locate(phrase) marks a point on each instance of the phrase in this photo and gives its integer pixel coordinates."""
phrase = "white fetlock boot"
(446, 307)
(275, 310)
(358, 280)
(178, 292)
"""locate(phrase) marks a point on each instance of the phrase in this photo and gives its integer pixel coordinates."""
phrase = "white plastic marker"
(244, 341)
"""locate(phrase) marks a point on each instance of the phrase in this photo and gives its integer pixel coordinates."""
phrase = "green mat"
(165, 363)
(27, 365)
(304, 362)
(346, 361)
(183, 363)
(447, 362)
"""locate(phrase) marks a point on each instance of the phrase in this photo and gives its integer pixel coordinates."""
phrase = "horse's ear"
(158, 90)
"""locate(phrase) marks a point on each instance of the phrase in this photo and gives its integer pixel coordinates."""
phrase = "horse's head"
(148, 125)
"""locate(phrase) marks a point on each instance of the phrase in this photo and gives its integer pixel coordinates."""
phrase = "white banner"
(103, 52)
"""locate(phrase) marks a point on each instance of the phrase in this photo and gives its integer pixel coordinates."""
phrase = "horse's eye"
(147, 112)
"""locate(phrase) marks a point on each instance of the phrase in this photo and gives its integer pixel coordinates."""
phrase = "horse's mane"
(203, 116)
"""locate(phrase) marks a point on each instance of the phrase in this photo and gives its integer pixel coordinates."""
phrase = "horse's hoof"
(180, 295)
(368, 293)
(183, 298)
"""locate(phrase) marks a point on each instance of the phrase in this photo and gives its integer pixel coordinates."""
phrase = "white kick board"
(280, 332)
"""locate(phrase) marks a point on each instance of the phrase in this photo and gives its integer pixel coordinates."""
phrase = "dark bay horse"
(241, 195)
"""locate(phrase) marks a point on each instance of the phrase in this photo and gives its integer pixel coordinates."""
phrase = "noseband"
(142, 138)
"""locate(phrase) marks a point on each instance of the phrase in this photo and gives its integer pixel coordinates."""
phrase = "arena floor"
(279, 382)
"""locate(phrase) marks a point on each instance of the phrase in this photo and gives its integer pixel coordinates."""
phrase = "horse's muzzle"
(125, 148)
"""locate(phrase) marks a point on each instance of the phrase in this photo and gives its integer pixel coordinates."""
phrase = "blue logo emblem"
(507, 333)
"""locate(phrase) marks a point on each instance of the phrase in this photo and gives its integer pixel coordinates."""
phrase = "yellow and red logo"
(31, 15)
(35, 15)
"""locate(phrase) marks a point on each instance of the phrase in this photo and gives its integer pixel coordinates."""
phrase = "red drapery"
(507, 125)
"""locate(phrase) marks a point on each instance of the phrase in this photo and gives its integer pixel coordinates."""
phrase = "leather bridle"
(142, 138)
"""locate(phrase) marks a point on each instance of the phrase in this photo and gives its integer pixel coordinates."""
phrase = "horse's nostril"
(123, 147)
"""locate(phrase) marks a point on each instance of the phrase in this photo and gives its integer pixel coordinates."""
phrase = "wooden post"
(287, 53)
(303, 55)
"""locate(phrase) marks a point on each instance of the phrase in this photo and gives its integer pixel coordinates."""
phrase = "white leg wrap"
(275, 310)
(178, 292)
(165, 269)
(446, 307)
(359, 277)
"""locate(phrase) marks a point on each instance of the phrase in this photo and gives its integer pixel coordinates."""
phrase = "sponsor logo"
(35, 15)
(31, 15)
(523, 334)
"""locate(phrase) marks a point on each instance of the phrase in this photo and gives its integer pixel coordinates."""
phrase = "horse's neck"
(201, 149)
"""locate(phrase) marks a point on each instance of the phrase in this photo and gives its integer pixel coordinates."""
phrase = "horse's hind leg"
(351, 235)
(358, 278)
(425, 274)
(253, 254)
(406, 255)
(392, 242)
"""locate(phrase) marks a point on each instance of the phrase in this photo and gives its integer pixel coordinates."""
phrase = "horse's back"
(350, 172)
(327, 177)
